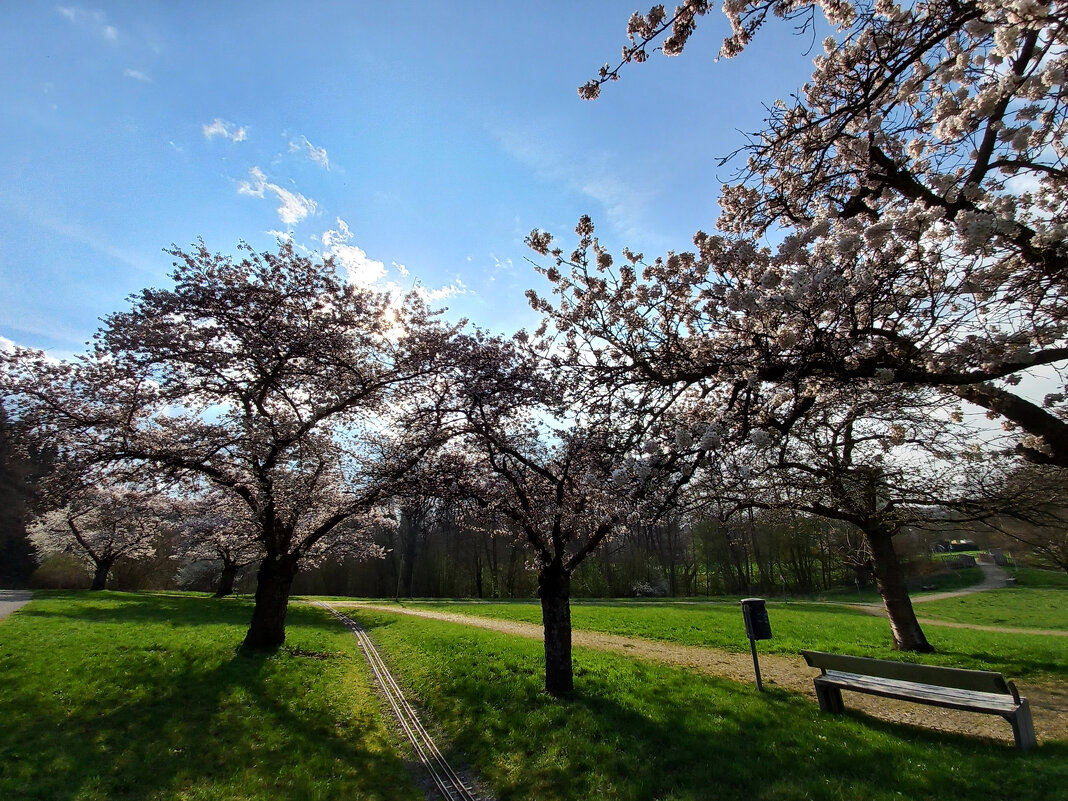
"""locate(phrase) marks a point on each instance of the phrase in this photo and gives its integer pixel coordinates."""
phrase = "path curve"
(993, 579)
(13, 600)
(1049, 703)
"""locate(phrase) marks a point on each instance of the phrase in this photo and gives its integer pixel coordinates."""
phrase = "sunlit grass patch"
(1012, 607)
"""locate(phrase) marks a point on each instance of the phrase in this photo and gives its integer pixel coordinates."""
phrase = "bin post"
(756, 664)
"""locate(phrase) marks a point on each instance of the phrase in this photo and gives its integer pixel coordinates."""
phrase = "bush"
(61, 571)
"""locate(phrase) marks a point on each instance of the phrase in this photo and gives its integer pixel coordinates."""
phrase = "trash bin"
(755, 615)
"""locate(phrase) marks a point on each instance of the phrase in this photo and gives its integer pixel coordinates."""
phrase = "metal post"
(756, 664)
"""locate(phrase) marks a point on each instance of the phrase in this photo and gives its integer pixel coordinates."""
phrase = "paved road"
(10, 600)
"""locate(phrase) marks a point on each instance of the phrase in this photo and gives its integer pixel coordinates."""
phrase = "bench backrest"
(986, 681)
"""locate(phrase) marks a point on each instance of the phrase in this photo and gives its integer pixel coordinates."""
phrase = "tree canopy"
(898, 220)
(271, 378)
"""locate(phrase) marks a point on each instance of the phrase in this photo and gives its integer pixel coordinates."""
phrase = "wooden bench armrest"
(1014, 691)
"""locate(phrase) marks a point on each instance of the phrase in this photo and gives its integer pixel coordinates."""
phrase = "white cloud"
(282, 236)
(401, 269)
(6, 345)
(96, 21)
(224, 129)
(294, 207)
(137, 75)
(316, 154)
(361, 270)
(457, 287)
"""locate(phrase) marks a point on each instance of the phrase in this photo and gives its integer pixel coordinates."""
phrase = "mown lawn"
(822, 627)
(122, 696)
(635, 730)
(1012, 607)
(1049, 579)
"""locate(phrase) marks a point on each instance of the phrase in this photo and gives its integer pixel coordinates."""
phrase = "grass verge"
(635, 730)
(121, 696)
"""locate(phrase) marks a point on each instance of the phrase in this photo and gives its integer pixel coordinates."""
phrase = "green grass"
(121, 696)
(943, 555)
(1049, 579)
(826, 627)
(636, 730)
(1012, 607)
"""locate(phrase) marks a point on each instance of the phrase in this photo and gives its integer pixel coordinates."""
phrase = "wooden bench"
(954, 688)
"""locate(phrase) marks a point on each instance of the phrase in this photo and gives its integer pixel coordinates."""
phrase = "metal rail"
(448, 782)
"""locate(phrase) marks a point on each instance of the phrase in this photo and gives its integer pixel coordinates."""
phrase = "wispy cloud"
(361, 270)
(30, 211)
(96, 21)
(225, 129)
(137, 75)
(293, 207)
(626, 202)
(316, 154)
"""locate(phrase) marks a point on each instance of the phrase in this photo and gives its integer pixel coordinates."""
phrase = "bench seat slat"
(978, 680)
(948, 697)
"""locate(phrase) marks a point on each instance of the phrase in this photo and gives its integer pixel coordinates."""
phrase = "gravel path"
(993, 579)
(1049, 702)
(11, 600)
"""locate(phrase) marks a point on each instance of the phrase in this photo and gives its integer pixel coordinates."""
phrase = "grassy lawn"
(1049, 579)
(825, 627)
(122, 696)
(635, 730)
(1018, 607)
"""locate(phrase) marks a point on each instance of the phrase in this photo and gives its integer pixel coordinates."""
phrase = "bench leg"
(830, 698)
(1023, 727)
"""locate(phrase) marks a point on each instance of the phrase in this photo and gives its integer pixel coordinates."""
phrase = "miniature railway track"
(447, 781)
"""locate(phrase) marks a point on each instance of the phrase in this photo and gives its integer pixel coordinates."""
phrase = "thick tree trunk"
(890, 579)
(554, 589)
(100, 575)
(226, 581)
(267, 631)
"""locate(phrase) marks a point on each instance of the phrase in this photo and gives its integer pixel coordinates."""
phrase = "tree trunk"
(226, 581)
(100, 575)
(554, 589)
(890, 579)
(267, 631)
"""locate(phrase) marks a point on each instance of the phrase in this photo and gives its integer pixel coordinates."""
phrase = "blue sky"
(420, 142)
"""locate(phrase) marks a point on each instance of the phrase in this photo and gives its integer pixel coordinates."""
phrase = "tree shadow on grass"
(178, 721)
(147, 608)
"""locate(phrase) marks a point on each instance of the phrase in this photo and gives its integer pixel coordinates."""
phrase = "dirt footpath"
(1049, 703)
